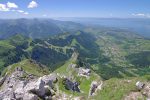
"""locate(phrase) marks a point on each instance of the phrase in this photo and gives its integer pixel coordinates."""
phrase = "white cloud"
(138, 14)
(11, 5)
(3, 7)
(21, 11)
(8, 7)
(32, 4)
(141, 15)
(26, 13)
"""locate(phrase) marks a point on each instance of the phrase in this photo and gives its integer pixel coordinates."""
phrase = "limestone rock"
(146, 90)
(49, 79)
(84, 72)
(19, 92)
(94, 86)
(36, 87)
(48, 98)
(134, 96)
(16, 87)
(2, 80)
(71, 85)
(139, 85)
(7, 94)
(29, 96)
(47, 90)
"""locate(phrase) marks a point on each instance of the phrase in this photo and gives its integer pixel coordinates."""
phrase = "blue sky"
(75, 8)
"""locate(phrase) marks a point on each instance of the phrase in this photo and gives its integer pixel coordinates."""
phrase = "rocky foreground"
(20, 85)
(23, 86)
(142, 93)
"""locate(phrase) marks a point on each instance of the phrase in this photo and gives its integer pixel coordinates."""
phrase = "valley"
(89, 62)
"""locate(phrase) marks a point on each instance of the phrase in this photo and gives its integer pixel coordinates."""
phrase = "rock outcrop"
(36, 87)
(142, 93)
(69, 85)
(19, 86)
(84, 72)
(2, 80)
(134, 96)
(94, 87)
(50, 79)
(146, 90)
(29, 96)
(139, 85)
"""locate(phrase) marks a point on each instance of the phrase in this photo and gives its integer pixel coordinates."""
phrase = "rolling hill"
(112, 54)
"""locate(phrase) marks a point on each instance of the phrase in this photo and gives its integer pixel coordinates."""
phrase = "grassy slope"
(8, 50)
(29, 66)
(85, 83)
(108, 52)
(118, 53)
(117, 89)
(108, 56)
(18, 48)
(113, 89)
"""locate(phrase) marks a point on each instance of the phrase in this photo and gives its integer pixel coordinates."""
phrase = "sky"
(74, 8)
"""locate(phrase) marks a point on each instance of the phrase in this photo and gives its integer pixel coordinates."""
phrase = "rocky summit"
(69, 82)
(23, 86)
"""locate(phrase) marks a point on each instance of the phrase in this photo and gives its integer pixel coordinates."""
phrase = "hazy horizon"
(77, 8)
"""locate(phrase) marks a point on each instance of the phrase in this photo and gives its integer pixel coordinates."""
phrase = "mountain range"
(63, 47)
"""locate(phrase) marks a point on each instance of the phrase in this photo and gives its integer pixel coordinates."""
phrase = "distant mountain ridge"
(138, 25)
(35, 28)
(111, 52)
(85, 62)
